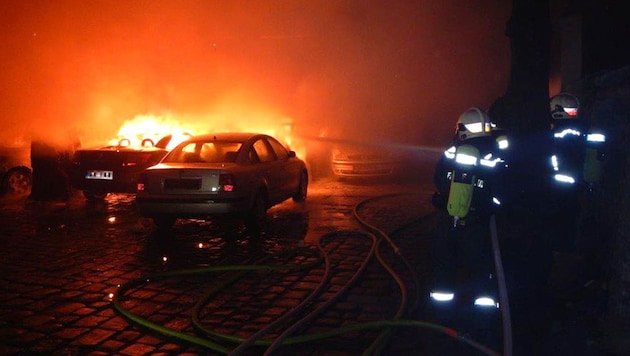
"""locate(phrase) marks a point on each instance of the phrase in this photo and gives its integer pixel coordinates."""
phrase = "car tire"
(164, 222)
(18, 181)
(93, 196)
(256, 218)
(302, 189)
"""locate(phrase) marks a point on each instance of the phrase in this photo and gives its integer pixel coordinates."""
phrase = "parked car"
(113, 169)
(226, 174)
(15, 170)
(362, 161)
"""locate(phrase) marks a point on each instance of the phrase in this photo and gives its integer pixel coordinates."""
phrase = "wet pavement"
(82, 278)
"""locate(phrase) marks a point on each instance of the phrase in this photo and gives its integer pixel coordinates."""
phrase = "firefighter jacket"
(577, 155)
(527, 182)
(467, 176)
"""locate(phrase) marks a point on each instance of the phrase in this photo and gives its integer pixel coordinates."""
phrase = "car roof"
(226, 136)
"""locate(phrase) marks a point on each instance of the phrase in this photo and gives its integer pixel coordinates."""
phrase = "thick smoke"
(374, 70)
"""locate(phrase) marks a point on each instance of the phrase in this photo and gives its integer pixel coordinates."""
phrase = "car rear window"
(208, 152)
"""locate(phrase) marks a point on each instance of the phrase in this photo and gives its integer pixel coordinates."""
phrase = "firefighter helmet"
(472, 123)
(564, 106)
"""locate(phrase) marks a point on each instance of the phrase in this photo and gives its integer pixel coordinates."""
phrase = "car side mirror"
(292, 154)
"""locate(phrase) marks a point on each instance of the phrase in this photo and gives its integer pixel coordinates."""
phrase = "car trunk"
(184, 181)
(111, 170)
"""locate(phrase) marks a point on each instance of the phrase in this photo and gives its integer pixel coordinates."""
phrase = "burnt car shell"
(112, 169)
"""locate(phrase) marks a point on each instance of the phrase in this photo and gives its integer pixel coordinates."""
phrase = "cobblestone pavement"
(206, 288)
(62, 264)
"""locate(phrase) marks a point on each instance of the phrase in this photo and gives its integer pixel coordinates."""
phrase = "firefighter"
(578, 152)
(540, 216)
(466, 178)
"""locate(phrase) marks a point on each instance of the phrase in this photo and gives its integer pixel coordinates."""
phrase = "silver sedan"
(207, 176)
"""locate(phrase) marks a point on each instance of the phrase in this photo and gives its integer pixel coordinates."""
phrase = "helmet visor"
(476, 127)
(572, 112)
(561, 112)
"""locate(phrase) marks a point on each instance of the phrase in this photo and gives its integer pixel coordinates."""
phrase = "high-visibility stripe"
(486, 301)
(563, 178)
(565, 132)
(441, 296)
(596, 137)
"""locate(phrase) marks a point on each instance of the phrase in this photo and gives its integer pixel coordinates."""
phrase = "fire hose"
(503, 297)
(285, 338)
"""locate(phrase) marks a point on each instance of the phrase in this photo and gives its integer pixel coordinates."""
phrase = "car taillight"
(226, 183)
(142, 182)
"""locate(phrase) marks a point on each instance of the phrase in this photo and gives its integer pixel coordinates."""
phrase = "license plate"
(104, 175)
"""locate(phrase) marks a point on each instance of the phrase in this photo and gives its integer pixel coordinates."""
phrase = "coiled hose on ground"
(376, 235)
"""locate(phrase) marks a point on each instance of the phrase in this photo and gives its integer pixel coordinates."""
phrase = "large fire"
(147, 130)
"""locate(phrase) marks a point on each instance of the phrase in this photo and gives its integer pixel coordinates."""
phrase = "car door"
(270, 170)
(289, 168)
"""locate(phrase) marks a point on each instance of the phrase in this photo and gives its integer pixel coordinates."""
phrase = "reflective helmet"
(473, 122)
(564, 106)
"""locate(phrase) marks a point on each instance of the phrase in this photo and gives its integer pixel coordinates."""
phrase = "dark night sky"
(401, 70)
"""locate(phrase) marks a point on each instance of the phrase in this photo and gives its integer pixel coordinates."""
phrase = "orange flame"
(146, 130)
(138, 131)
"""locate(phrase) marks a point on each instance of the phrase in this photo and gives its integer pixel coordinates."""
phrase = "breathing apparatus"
(462, 182)
(593, 157)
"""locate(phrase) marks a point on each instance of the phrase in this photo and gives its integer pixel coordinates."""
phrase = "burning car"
(113, 168)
